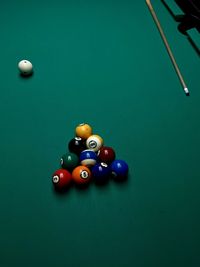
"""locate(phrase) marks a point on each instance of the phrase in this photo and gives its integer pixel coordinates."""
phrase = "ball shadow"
(185, 22)
(122, 181)
(103, 186)
(102, 183)
(61, 193)
(82, 188)
(26, 77)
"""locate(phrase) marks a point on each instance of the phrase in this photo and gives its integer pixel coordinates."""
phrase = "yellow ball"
(94, 142)
(83, 130)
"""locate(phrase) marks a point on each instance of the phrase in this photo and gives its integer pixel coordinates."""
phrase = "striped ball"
(88, 158)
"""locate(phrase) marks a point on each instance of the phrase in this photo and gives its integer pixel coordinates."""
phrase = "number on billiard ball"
(94, 142)
(81, 175)
(61, 178)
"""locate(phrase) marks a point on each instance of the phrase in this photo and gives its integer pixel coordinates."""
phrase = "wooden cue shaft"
(167, 47)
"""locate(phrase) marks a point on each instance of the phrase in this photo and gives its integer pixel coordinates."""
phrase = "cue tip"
(186, 91)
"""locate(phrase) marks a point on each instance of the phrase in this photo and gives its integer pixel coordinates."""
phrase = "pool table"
(104, 63)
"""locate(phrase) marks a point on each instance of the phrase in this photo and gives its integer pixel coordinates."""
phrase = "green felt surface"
(101, 62)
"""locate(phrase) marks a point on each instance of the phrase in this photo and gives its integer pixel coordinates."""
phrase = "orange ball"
(83, 130)
(81, 175)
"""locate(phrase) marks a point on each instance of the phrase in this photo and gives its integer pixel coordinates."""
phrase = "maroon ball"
(106, 154)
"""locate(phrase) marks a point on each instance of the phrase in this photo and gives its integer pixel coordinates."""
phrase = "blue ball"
(88, 158)
(101, 172)
(119, 169)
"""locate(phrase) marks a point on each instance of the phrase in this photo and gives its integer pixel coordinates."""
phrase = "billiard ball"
(69, 161)
(83, 130)
(106, 154)
(94, 142)
(100, 172)
(76, 145)
(81, 175)
(25, 67)
(61, 178)
(88, 158)
(119, 169)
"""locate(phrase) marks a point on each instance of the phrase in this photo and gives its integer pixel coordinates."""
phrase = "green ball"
(69, 161)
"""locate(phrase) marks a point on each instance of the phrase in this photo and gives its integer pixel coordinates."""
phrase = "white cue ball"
(25, 67)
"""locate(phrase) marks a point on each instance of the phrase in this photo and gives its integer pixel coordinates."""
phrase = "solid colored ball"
(76, 145)
(83, 130)
(81, 175)
(106, 154)
(61, 178)
(119, 169)
(101, 172)
(88, 158)
(69, 161)
(94, 142)
(25, 67)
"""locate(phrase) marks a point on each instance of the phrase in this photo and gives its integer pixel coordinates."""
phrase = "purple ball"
(101, 172)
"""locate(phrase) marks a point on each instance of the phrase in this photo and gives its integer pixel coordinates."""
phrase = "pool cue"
(167, 47)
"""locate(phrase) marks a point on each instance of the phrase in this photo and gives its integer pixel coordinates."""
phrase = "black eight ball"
(76, 145)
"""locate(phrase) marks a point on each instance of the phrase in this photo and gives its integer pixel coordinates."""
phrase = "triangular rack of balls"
(88, 159)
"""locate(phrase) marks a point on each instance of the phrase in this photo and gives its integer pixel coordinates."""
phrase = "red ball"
(106, 154)
(61, 178)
